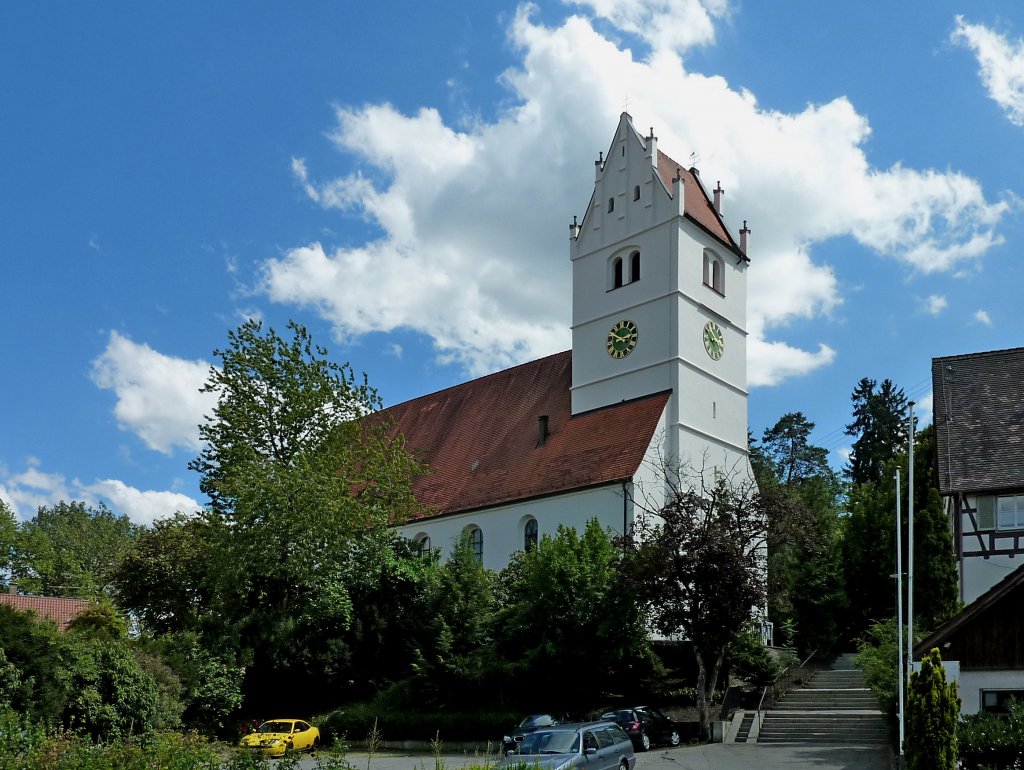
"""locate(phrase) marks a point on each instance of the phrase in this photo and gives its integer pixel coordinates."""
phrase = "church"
(656, 378)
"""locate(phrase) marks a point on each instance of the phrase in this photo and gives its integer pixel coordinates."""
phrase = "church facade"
(655, 380)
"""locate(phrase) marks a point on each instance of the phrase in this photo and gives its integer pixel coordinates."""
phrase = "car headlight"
(274, 742)
(507, 738)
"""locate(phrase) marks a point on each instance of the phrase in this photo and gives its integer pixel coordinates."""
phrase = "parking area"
(717, 756)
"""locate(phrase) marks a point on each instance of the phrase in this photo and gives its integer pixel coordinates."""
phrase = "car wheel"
(673, 738)
(645, 742)
(624, 765)
(315, 746)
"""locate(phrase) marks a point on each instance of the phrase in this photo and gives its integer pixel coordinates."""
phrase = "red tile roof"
(56, 608)
(480, 439)
(696, 203)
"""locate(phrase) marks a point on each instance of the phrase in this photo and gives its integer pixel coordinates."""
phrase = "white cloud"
(923, 410)
(158, 396)
(982, 317)
(1001, 63)
(935, 304)
(27, 491)
(473, 248)
(662, 24)
(142, 507)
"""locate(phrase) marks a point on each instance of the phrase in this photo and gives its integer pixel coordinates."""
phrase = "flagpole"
(899, 610)
(910, 541)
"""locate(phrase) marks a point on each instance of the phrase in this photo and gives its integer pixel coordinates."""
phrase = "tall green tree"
(454, 661)
(8, 536)
(805, 587)
(167, 579)
(298, 464)
(880, 426)
(567, 619)
(697, 567)
(71, 549)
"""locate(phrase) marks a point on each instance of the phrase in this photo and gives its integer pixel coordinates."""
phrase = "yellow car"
(277, 736)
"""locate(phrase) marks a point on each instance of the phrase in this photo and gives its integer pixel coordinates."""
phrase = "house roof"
(57, 608)
(480, 439)
(696, 202)
(973, 611)
(979, 421)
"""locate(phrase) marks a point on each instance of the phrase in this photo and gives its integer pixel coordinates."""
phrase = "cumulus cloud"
(474, 220)
(158, 396)
(28, 490)
(1001, 63)
(935, 304)
(982, 317)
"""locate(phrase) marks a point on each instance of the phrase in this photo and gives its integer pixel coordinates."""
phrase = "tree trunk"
(706, 683)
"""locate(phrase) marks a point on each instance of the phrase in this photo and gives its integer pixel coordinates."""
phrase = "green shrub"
(991, 740)
(933, 706)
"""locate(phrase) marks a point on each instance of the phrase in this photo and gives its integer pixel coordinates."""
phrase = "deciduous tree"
(71, 549)
(697, 565)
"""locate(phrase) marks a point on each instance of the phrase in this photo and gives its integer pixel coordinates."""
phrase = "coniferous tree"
(933, 709)
(879, 423)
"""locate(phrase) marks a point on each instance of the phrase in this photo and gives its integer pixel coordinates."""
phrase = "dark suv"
(645, 726)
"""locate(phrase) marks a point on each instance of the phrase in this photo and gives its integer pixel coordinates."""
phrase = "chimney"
(718, 197)
(743, 237)
(542, 430)
(574, 229)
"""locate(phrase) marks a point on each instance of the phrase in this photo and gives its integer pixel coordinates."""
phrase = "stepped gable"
(481, 439)
(59, 609)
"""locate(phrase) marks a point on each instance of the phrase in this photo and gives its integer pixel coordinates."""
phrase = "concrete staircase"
(834, 707)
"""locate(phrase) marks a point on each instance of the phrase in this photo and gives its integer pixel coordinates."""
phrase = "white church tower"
(659, 303)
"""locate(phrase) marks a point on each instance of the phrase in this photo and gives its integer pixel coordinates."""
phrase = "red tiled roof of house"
(695, 203)
(480, 439)
(56, 608)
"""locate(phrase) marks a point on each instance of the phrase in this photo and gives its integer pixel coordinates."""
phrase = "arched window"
(530, 535)
(634, 266)
(476, 544)
(636, 193)
(714, 272)
(617, 273)
(611, 205)
(423, 545)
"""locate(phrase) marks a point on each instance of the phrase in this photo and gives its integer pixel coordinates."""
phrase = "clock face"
(622, 339)
(714, 342)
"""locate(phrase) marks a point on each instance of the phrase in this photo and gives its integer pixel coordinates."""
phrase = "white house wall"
(973, 682)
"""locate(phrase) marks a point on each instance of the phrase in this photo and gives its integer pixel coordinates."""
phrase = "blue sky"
(400, 177)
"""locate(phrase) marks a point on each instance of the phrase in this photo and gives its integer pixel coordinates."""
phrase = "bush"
(355, 722)
(992, 741)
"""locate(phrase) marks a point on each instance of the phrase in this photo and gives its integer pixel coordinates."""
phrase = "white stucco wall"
(973, 682)
(503, 526)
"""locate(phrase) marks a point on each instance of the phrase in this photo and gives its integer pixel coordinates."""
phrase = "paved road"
(717, 756)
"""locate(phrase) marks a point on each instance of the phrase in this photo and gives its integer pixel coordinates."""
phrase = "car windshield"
(550, 742)
(537, 720)
(276, 727)
(619, 716)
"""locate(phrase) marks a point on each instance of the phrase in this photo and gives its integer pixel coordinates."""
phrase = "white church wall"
(503, 526)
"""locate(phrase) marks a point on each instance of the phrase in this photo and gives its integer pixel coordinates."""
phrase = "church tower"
(659, 302)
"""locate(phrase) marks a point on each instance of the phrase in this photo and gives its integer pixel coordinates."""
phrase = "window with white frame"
(1010, 512)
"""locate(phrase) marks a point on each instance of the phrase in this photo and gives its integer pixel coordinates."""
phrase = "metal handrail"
(773, 685)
